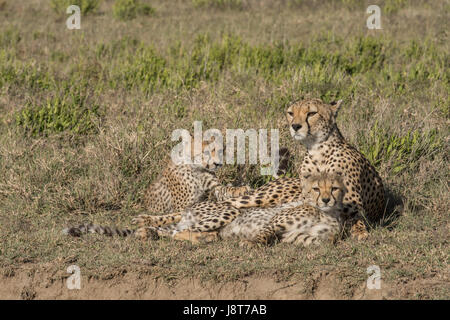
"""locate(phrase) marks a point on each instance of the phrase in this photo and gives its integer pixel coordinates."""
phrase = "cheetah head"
(311, 120)
(212, 156)
(209, 156)
(324, 191)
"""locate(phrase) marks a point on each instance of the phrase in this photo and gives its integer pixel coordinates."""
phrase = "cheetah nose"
(296, 126)
(325, 200)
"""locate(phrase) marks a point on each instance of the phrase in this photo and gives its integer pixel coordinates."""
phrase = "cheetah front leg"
(358, 229)
(266, 236)
(154, 233)
(355, 226)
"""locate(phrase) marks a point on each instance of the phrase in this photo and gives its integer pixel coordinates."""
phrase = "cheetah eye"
(334, 189)
(310, 114)
(316, 189)
(290, 113)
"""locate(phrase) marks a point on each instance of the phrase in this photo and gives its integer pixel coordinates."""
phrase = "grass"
(129, 9)
(86, 6)
(70, 113)
(86, 117)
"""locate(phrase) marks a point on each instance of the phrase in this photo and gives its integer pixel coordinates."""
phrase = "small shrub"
(392, 6)
(365, 54)
(70, 113)
(130, 9)
(86, 6)
(146, 69)
(398, 152)
(18, 74)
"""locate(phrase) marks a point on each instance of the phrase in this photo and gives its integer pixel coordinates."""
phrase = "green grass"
(130, 9)
(86, 117)
(86, 6)
(399, 152)
(72, 112)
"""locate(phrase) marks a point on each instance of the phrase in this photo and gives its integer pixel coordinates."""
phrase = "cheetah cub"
(318, 219)
(178, 187)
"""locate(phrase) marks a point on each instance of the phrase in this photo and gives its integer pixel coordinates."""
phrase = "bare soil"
(27, 283)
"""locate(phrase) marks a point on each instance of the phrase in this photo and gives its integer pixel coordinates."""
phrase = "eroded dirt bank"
(29, 284)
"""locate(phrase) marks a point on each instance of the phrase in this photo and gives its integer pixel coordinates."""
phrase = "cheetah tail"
(94, 228)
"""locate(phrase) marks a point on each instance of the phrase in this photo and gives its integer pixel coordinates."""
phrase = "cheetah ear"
(335, 107)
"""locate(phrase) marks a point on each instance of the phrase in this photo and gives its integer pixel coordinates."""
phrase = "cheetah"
(317, 219)
(313, 123)
(204, 220)
(181, 185)
(286, 189)
(307, 219)
(178, 187)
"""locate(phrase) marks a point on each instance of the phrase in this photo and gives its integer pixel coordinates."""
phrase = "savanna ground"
(86, 119)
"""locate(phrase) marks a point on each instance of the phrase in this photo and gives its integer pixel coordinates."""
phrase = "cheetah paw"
(196, 237)
(209, 237)
(358, 231)
(360, 235)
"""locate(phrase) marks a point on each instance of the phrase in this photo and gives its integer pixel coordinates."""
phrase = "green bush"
(27, 75)
(207, 60)
(146, 69)
(72, 113)
(392, 6)
(365, 54)
(86, 6)
(398, 152)
(130, 9)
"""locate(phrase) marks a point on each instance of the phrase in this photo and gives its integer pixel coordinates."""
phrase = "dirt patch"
(28, 283)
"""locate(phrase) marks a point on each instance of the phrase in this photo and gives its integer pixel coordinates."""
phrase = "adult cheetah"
(313, 123)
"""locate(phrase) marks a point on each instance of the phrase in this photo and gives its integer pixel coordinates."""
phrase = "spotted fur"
(178, 187)
(318, 219)
(291, 190)
(313, 123)
(211, 220)
(181, 185)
